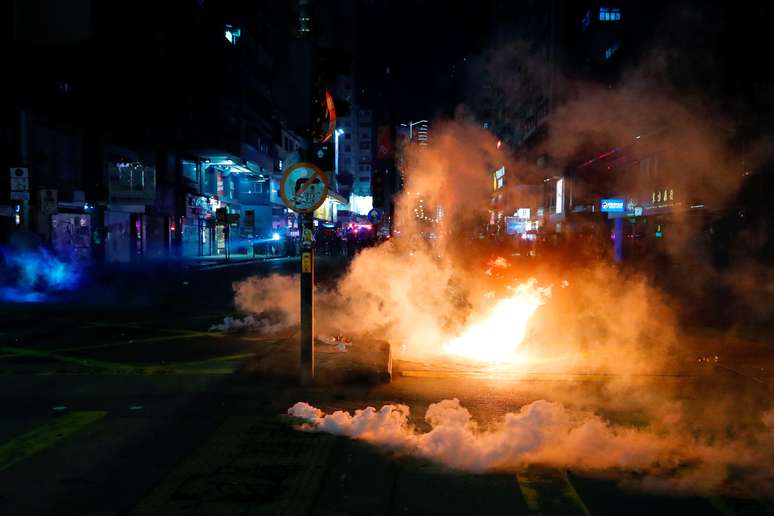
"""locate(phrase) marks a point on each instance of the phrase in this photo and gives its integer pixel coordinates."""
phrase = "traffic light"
(377, 188)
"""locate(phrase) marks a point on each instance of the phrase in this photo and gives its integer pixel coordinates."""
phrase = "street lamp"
(411, 125)
(338, 133)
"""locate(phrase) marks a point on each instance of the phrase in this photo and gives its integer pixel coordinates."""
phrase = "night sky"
(420, 41)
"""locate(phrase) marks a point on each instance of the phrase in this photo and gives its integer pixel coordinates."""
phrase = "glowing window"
(609, 14)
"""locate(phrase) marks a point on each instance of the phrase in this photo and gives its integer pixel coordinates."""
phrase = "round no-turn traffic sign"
(303, 187)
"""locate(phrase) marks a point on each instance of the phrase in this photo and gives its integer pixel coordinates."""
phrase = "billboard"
(559, 195)
(613, 205)
(498, 178)
(514, 226)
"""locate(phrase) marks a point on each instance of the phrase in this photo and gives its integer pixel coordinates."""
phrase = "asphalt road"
(120, 401)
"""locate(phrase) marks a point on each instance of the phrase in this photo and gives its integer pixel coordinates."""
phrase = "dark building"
(141, 119)
(546, 54)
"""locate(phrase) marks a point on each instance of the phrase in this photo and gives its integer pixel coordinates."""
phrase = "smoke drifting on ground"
(549, 434)
(434, 281)
(272, 305)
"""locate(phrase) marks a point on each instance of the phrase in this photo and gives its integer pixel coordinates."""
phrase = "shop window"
(189, 171)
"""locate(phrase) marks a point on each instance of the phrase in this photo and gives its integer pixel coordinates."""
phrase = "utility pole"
(304, 185)
(307, 298)
(306, 226)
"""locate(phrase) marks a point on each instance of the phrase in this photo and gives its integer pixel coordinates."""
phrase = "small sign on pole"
(375, 216)
(303, 189)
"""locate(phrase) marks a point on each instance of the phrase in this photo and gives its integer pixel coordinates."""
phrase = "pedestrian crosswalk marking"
(44, 436)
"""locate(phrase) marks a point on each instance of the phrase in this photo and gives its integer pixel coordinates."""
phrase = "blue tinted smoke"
(31, 275)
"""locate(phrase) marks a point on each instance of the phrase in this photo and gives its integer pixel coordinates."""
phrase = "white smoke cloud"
(272, 304)
(245, 324)
(542, 433)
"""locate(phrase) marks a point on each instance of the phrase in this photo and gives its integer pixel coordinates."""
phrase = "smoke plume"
(549, 434)
(436, 278)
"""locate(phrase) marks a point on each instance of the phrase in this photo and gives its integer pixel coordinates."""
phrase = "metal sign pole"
(303, 189)
(307, 299)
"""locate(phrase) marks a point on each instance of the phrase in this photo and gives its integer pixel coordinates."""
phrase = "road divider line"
(44, 436)
(549, 492)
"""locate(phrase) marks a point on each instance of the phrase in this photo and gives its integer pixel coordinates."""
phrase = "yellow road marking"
(42, 437)
(129, 342)
(549, 492)
(122, 368)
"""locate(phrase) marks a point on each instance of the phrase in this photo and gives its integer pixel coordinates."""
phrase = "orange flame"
(496, 338)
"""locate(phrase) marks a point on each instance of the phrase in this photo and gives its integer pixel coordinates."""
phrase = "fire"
(497, 263)
(496, 338)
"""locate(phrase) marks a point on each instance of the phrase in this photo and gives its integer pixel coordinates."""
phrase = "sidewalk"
(217, 261)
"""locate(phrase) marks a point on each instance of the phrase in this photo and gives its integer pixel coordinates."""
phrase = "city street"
(387, 257)
(145, 411)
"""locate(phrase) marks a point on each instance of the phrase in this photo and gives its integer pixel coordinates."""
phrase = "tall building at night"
(421, 134)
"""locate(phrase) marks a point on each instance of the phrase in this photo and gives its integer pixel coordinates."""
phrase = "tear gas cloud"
(429, 285)
(421, 292)
(549, 434)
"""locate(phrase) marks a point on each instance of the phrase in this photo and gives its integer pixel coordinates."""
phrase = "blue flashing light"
(275, 236)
